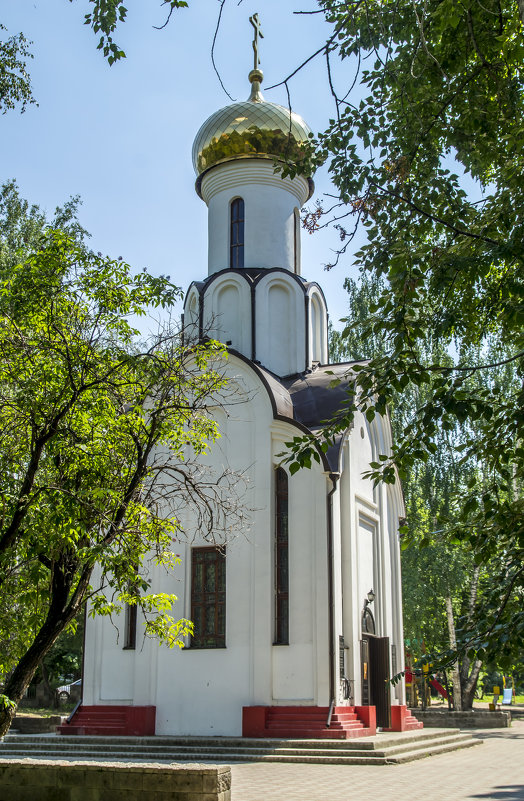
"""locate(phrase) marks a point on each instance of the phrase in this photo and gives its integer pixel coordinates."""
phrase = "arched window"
(236, 237)
(281, 559)
(296, 240)
(368, 621)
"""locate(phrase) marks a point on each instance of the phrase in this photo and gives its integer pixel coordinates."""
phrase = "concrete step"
(432, 750)
(393, 750)
(411, 746)
(371, 743)
(167, 753)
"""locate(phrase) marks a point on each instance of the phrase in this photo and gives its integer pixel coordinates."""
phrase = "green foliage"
(63, 662)
(15, 83)
(105, 16)
(430, 162)
(99, 439)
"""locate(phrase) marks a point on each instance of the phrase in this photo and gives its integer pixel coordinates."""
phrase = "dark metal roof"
(313, 399)
(320, 396)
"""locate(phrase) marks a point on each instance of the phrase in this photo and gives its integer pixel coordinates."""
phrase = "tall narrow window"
(208, 597)
(236, 247)
(296, 240)
(281, 559)
(130, 627)
(130, 618)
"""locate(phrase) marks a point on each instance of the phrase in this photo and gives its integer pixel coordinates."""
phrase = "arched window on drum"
(296, 239)
(236, 233)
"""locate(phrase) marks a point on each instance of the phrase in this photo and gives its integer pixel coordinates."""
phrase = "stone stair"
(104, 721)
(310, 723)
(383, 749)
(110, 721)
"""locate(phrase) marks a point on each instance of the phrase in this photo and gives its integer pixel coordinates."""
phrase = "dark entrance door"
(375, 677)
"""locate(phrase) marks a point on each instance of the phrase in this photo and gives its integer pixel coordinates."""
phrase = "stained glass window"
(208, 597)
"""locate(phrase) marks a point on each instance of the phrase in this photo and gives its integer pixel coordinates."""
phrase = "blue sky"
(121, 136)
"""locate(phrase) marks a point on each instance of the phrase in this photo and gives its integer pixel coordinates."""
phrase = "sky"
(121, 136)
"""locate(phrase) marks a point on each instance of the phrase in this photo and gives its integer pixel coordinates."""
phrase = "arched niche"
(191, 315)
(318, 351)
(227, 312)
(280, 325)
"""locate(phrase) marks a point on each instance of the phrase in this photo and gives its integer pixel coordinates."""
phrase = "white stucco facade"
(203, 691)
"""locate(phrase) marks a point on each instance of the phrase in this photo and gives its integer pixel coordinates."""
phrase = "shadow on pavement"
(511, 792)
(503, 734)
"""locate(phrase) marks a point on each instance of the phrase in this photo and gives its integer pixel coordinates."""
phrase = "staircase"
(110, 721)
(411, 723)
(308, 722)
(403, 720)
(383, 749)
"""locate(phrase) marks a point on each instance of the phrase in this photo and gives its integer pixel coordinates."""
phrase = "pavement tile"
(491, 772)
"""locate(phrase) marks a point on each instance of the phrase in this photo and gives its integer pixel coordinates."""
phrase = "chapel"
(298, 622)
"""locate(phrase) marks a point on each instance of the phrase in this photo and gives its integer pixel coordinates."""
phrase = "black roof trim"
(308, 401)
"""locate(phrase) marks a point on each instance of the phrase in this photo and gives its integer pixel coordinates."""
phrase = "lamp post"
(370, 598)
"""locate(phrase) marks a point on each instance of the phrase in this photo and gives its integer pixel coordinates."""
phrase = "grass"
(43, 712)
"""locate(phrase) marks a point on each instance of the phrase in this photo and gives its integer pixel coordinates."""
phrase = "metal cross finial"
(255, 22)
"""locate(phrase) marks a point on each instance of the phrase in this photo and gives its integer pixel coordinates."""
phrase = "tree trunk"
(62, 609)
(45, 680)
(20, 678)
(470, 685)
(457, 695)
(7, 713)
(469, 678)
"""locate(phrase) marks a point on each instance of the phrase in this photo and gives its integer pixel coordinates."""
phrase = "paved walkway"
(491, 771)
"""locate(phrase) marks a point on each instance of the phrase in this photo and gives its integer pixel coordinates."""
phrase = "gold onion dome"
(251, 129)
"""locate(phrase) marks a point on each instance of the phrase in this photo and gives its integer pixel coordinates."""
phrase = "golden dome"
(251, 129)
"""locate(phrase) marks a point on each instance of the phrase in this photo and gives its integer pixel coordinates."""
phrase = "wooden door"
(380, 688)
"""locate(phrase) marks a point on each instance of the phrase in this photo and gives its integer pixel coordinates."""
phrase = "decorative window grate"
(281, 559)
(208, 597)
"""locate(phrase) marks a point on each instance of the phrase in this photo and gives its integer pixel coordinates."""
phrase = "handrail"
(73, 713)
(331, 708)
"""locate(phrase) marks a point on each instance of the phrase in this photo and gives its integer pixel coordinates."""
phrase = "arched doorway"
(375, 672)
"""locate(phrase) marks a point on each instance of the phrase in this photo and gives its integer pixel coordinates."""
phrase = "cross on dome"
(255, 22)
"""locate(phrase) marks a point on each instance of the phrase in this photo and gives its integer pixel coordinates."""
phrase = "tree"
(99, 439)
(442, 584)
(430, 162)
(15, 84)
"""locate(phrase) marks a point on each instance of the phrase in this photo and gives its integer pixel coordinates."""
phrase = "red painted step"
(304, 722)
(403, 720)
(111, 721)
